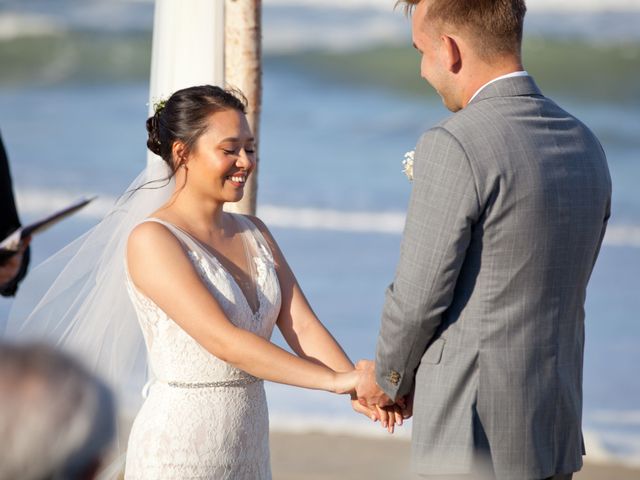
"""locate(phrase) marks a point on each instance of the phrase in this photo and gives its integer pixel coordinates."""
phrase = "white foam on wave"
(350, 26)
(605, 447)
(614, 433)
(532, 5)
(36, 203)
(290, 34)
(13, 25)
(616, 417)
(583, 5)
(622, 236)
(321, 219)
(388, 4)
(337, 25)
(390, 222)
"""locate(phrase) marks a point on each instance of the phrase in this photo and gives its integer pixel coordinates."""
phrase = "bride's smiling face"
(222, 158)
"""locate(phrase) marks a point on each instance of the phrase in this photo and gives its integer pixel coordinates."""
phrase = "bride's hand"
(370, 412)
(345, 382)
(390, 416)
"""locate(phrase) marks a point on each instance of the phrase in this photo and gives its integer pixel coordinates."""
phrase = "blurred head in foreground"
(56, 420)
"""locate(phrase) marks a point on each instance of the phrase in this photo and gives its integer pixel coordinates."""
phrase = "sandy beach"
(321, 456)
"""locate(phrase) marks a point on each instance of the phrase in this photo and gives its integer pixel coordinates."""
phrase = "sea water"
(332, 191)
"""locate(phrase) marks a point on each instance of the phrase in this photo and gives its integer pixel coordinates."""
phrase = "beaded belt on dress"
(239, 382)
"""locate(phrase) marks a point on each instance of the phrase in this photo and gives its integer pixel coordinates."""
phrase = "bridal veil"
(77, 299)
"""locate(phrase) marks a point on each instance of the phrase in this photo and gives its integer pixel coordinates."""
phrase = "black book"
(11, 244)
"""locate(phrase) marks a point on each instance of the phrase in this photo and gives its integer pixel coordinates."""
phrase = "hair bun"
(153, 141)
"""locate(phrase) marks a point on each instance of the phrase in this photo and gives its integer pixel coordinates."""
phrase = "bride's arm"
(304, 332)
(161, 270)
(300, 326)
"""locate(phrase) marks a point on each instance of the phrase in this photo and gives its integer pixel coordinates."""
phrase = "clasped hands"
(370, 400)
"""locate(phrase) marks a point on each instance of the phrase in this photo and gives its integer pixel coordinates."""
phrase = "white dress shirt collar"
(521, 73)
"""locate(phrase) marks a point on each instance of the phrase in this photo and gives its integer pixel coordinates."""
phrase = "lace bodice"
(211, 415)
(173, 355)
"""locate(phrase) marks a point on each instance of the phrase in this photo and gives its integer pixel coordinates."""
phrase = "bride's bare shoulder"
(150, 242)
(155, 255)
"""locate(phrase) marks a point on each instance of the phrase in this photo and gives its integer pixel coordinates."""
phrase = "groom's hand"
(406, 405)
(368, 391)
(370, 412)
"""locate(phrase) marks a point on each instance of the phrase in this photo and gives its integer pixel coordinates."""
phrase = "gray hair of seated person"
(56, 420)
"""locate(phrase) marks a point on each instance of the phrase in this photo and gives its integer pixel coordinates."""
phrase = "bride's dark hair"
(184, 115)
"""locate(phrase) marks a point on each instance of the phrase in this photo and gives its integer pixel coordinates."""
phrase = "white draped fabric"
(188, 47)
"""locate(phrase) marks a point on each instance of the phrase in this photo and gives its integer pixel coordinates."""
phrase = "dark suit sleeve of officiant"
(9, 220)
(443, 208)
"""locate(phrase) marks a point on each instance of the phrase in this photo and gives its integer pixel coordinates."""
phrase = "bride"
(207, 287)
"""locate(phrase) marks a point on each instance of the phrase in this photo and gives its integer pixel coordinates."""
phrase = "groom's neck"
(481, 72)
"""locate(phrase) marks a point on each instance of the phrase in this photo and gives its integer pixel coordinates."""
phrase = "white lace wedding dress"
(204, 418)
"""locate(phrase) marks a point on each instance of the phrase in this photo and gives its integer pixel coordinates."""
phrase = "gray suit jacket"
(485, 316)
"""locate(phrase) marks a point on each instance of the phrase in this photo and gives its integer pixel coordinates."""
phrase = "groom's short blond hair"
(495, 25)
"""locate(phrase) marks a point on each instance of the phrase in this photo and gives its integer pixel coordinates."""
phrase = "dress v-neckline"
(232, 279)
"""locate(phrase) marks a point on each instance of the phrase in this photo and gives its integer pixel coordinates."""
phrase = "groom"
(483, 325)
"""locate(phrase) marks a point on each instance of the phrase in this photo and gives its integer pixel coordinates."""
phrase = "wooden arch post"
(216, 42)
(243, 70)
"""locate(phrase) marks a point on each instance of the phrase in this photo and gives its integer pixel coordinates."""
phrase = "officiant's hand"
(368, 391)
(11, 267)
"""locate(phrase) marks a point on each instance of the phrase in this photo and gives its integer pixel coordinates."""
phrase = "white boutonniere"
(407, 164)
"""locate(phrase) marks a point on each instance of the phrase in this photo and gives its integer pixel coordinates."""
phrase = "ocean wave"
(340, 25)
(349, 26)
(583, 5)
(14, 25)
(388, 5)
(623, 236)
(324, 219)
(390, 223)
(287, 31)
(616, 417)
(21, 18)
(532, 5)
(36, 203)
(610, 447)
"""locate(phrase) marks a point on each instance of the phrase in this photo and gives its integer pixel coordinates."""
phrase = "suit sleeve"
(603, 231)
(9, 220)
(442, 211)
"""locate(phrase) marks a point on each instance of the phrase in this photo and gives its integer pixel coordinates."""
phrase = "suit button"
(394, 377)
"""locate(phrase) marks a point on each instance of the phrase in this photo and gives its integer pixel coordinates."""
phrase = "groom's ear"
(452, 55)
